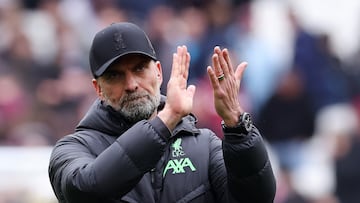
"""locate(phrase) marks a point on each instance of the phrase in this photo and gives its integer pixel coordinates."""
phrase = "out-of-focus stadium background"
(302, 84)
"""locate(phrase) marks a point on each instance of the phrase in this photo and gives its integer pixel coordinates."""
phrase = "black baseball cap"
(115, 41)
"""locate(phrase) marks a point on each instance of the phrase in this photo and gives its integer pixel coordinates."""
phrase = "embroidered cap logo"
(119, 41)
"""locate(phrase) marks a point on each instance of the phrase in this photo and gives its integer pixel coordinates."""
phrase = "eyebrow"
(142, 62)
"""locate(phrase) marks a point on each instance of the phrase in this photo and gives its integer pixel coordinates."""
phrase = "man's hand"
(226, 85)
(179, 101)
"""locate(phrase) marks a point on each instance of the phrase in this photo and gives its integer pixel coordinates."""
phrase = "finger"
(183, 60)
(216, 61)
(191, 90)
(217, 50)
(175, 65)
(216, 65)
(180, 59)
(213, 78)
(240, 70)
(228, 60)
(187, 65)
(223, 63)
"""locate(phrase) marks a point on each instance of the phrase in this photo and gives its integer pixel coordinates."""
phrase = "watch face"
(244, 126)
(246, 120)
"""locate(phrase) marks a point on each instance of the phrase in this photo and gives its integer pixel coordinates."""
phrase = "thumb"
(240, 70)
(191, 90)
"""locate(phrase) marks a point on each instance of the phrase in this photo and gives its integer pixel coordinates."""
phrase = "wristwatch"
(244, 125)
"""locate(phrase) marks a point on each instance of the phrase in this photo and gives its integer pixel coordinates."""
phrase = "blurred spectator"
(347, 169)
(167, 29)
(347, 159)
(14, 106)
(161, 22)
(59, 101)
(264, 70)
(287, 120)
(31, 134)
(203, 107)
(219, 17)
(352, 69)
(197, 25)
(316, 178)
(286, 193)
(139, 10)
(319, 67)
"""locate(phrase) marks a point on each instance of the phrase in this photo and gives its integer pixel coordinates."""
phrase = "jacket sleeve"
(249, 173)
(77, 175)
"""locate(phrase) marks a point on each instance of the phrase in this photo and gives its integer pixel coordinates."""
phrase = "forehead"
(129, 60)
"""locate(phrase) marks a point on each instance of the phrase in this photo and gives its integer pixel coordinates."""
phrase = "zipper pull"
(152, 173)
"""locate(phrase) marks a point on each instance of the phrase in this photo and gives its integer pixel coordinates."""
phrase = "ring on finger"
(221, 77)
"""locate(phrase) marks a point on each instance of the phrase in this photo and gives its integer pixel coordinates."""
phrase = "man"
(135, 145)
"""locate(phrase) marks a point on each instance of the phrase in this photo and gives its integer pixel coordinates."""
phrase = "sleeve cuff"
(160, 128)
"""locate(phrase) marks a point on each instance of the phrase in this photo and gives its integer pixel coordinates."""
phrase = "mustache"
(131, 97)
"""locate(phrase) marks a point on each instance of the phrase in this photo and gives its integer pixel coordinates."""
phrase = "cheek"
(113, 93)
(153, 85)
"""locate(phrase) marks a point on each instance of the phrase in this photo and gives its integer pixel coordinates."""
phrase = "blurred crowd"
(305, 100)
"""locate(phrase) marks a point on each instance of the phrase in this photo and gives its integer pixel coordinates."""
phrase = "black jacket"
(108, 160)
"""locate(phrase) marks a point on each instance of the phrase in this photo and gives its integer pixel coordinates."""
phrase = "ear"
(97, 88)
(159, 72)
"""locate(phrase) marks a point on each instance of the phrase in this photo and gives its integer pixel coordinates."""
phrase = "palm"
(179, 96)
(226, 91)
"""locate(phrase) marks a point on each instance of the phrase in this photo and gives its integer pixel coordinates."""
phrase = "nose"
(131, 83)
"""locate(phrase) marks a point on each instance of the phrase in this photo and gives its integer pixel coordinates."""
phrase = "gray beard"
(136, 106)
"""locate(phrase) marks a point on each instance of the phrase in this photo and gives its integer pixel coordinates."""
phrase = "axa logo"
(178, 165)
